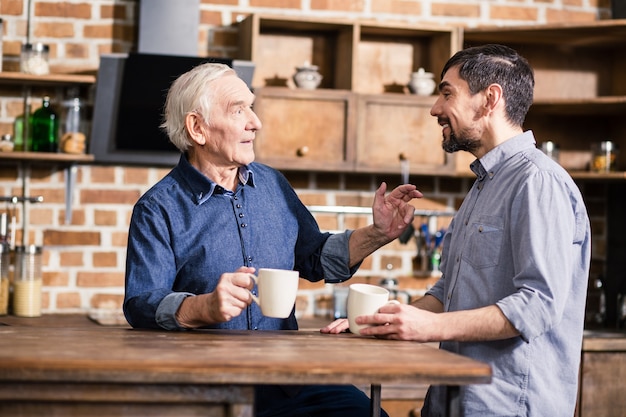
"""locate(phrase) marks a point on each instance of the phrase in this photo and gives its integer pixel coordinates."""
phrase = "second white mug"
(364, 300)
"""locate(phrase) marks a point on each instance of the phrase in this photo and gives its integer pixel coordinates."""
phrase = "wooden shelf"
(18, 78)
(46, 157)
(360, 56)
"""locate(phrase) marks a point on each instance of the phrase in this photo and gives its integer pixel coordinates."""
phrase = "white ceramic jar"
(307, 77)
(422, 83)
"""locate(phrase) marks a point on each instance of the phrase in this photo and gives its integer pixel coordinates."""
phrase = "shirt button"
(240, 215)
(480, 229)
(243, 225)
(238, 206)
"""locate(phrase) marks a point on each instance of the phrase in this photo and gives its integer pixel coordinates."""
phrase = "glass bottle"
(22, 132)
(45, 128)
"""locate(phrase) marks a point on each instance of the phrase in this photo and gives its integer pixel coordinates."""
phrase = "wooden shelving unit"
(23, 160)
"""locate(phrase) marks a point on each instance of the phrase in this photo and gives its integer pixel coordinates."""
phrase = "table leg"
(453, 400)
(375, 397)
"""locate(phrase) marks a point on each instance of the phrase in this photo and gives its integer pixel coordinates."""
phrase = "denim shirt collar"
(202, 188)
(492, 161)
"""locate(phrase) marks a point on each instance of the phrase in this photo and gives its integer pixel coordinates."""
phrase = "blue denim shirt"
(520, 240)
(186, 231)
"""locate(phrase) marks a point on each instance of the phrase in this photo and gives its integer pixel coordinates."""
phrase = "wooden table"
(124, 372)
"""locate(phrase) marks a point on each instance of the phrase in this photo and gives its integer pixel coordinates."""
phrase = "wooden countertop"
(120, 354)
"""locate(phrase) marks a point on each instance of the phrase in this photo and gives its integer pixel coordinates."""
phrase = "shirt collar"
(202, 187)
(492, 161)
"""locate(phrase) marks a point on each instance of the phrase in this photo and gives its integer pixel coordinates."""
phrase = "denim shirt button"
(243, 225)
(240, 215)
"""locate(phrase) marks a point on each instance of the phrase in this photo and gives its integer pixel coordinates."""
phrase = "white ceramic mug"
(364, 300)
(278, 289)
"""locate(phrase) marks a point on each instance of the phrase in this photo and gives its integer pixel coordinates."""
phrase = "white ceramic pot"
(422, 83)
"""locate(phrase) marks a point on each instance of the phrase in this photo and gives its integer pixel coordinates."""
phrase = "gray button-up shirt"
(520, 240)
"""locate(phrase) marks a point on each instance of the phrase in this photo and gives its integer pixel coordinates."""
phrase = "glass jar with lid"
(34, 59)
(604, 156)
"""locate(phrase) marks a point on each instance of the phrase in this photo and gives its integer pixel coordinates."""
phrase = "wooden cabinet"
(580, 85)
(392, 127)
(311, 130)
(362, 116)
(602, 375)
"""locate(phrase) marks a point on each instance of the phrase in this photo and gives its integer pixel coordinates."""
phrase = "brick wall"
(84, 260)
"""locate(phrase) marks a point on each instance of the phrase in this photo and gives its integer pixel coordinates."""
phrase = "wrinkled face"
(232, 124)
(458, 112)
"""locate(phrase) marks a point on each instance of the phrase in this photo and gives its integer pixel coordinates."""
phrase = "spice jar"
(604, 157)
(551, 149)
(73, 139)
(6, 143)
(27, 281)
(34, 59)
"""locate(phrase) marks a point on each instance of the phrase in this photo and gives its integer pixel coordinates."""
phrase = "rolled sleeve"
(166, 311)
(336, 258)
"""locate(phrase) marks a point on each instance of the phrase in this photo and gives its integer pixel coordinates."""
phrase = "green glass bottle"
(45, 128)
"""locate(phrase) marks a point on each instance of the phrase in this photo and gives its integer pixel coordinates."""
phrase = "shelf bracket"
(70, 183)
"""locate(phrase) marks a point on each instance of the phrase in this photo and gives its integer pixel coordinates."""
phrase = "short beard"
(454, 144)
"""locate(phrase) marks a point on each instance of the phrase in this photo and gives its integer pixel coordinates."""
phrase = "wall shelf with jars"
(53, 85)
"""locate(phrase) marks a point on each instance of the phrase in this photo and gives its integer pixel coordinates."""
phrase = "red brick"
(562, 16)
(70, 238)
(136, 175)
(98, 31)
(63, 9)
(41, 216)
(102, 174)
(12, 7)
(225, 2)
(55, 279)
(116, 11)
(92, 196)
(78, 217)
(107, 301)
(413, 7)
(54, 30)
(104, 259)
(210, 18)
(71, 259)
(513, 13)
(76, 50)
(68, 300)
(119, 239)
(105, 218)
(278, 4)
(338, 5)
(455, 9)
(100, 279)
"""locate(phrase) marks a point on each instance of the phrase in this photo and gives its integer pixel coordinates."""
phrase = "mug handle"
(254, 297)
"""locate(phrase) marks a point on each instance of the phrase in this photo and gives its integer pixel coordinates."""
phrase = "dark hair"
(483, 65)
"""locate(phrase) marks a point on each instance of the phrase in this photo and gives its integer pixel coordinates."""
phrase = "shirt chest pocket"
(484, 242)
